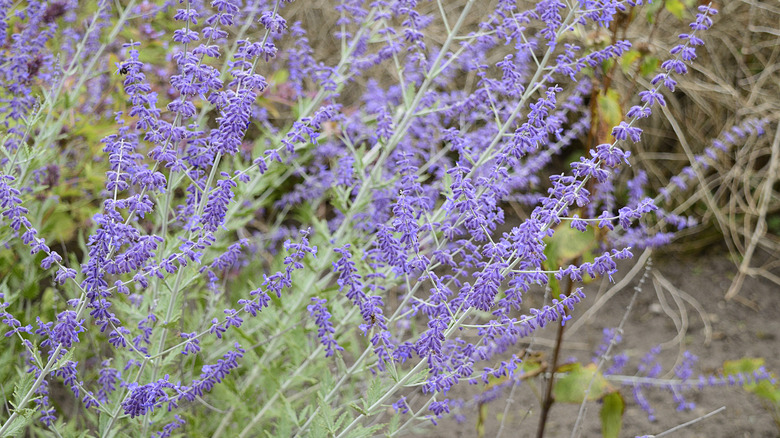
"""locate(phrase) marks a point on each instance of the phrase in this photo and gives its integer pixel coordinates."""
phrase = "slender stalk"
(689, 423)
(548, 399)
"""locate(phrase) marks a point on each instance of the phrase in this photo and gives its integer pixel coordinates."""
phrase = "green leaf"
(177, 304)
(284, 427)
(393, 425)
(365, 432)
(243, 335)
(63, 360)
(628, 59)
(567, 244)
(743, 365)
(420, 377)
(482, 414)
(652, 9)
(393, 372)
(530, 365)
(341, 421)
(318, 429)
(280, 76)
(611, 415)
(409, 93)
(20, 423)
(60, 225)
(326, 413)
(607, 65)
(572, 387)
(22, 387)
(675, 7)
(747, 366)
(609, 108)
(649, 66)
(103, 422)
(374, 393)
(360, 409)
(773, 224)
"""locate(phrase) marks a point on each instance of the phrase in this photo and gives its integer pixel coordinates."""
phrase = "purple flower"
(234, 119)
(578, 224)
(641, 112)
(486, 287)
(108, 380)
(170, 427)
(211, 375)
(67, 330)
(145, 399)
(612, 156)
(192, 344)
(216, 207)
(439, 408)
(653, 96)
(348, 279)
(401, 406)
(624, 131)
(217, 329)
(325, 329)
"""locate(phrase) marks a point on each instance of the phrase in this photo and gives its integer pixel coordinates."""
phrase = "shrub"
(203, 213)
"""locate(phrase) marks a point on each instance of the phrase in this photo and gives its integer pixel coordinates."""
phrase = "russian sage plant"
(215, 224)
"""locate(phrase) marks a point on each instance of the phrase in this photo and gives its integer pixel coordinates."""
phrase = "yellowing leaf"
(743, 365)
(573, 387)
(628, 59)
(280, 76)
(611, 415)
(609, 108)
(675, 7)
(567, 244)
(747, 366)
